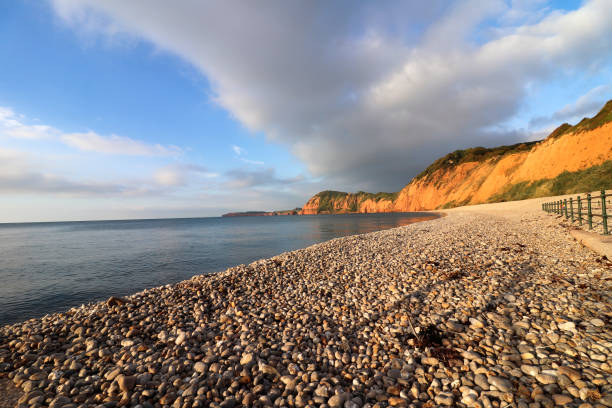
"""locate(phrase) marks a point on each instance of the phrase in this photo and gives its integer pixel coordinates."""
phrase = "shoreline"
(467, 308)
(19, 308)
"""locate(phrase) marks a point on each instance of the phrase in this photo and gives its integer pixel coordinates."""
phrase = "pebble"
(501, 384)
(336, 400)
(467, 309)
(561, 399)
(247, 359)
(546, 378)
(567, 326)
(444, 398)
(126, 383)
(530, 370)
(572, 374)
(481, 381)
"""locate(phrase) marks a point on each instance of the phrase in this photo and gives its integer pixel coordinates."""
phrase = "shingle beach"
(478, 309)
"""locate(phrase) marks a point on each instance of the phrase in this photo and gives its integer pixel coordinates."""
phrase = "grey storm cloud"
(365, 94)
(245, 178)
(39, 183)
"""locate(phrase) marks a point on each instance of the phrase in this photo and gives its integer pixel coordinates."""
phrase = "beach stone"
(112, 374)
(561, 399)
(116, 301)
(430, 361)
(248, 399)
(126, 383)
(530, 370)
(395, 401)
(606, 400)
(597, 322)
(476, 323)
(167, 399)
(268, 369)
(199, 367)
(444, 398)
(322, 391)
(336, 400)
(567, 326)
(228, 403)
(471, 355)
(481, 381)
(247, 359)
(546, 378)
(469, 399)
(501, 383)
(59, 402)
(180, 339)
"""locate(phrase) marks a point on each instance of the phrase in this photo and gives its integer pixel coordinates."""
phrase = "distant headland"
(295, 211)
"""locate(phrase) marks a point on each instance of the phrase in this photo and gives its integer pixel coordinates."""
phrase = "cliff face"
(571, 158)
(335, 202)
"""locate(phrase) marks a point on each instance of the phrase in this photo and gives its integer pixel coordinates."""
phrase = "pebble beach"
(475, 309)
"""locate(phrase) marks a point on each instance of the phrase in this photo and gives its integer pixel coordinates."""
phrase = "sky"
(152, 109)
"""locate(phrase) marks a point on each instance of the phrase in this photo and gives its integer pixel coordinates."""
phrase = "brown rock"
(116, 301)
(397, 402)
(126, 382)
(569, 372)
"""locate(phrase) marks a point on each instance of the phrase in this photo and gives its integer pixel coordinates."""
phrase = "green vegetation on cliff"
(592, 179)
(604, 116)
(329, 200)
(474, 154)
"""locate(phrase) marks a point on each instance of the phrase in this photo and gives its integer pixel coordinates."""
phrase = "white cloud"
(367, 94)
(239, 151)
(181, 174)
(11, 125)
(14, 125)
(114, 144)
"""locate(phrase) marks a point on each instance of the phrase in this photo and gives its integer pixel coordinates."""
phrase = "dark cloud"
(245, 178)
(32, 182)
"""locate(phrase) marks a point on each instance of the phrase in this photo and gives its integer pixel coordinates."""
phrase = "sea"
(51, 267)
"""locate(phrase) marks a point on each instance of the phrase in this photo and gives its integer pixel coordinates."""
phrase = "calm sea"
(50, 267)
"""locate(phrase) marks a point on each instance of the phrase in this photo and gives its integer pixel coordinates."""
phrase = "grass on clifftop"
(474, 154)
(603, 116)
(594, 178)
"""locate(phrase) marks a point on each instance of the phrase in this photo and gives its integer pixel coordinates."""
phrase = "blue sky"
(143, 109)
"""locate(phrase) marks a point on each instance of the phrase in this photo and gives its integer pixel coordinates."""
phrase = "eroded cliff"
(572, 159)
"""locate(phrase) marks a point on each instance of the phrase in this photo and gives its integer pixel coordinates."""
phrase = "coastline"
(471, 307)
